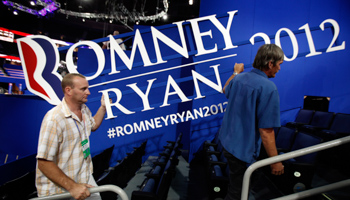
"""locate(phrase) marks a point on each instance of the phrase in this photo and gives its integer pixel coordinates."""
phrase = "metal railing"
(103, 188)
(297, 153)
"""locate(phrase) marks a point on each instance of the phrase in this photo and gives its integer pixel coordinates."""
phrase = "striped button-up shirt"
(60, 140)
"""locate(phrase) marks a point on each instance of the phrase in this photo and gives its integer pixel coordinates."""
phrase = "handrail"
(314, 191)
(103, 188)
(286, 156)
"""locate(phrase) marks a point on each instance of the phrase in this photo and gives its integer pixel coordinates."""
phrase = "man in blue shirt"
(251, 114)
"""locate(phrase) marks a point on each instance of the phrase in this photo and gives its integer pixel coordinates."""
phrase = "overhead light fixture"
(49, 7)
(32, 3)
(190, 2)
(165, 17)
(15, 12)
(83, 19)
(111, 20)
(116, 11)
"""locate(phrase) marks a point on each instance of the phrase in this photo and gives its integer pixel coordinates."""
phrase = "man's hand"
(103, 103)
(238, 68)
(277, 168)
(80, 191)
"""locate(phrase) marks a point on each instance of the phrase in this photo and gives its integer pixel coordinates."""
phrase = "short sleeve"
(48, 138)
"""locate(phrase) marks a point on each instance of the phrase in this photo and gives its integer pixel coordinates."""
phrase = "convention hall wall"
(177, 71)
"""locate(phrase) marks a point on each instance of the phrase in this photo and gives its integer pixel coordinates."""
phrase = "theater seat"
(320, 120)
(101, 162)
(153, 189)
(285, 139)
(299, 171)
(21, 188)
(304, 117)
(217, 171)
(340, 127)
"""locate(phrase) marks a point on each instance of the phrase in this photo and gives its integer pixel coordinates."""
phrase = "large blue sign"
(171, 79)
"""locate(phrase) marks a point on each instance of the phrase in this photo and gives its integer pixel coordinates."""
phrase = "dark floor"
(190, 183)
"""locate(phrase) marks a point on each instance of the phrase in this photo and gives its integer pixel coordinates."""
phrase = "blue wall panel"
(320, 75)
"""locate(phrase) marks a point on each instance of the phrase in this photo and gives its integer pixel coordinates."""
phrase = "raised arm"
(99, 114)
(238, 68)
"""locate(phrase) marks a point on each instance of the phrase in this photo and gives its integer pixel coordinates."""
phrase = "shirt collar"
(68, 112)
(261, 73)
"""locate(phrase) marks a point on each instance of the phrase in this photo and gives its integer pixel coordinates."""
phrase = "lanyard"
(84, 127)
(84, 142)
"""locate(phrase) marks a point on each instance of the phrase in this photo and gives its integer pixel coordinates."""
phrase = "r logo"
(40, 59)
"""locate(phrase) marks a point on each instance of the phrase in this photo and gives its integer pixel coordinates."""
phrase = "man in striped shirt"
(63, 159)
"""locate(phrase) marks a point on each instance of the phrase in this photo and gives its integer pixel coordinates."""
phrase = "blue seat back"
(322, 119)
(285, 138)
(149, 185)
(303, 140)
(304, 116)
(341, 123)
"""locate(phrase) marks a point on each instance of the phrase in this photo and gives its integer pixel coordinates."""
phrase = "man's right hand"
(80, 191)
(238, 68)
(277, 168)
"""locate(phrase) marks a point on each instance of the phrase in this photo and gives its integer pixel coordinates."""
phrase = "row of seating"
(309, 128)
(327, 125)
(216, 166)
(122, 172)
(298, 171)
(6, 158)
(157, 181)
(23, 187)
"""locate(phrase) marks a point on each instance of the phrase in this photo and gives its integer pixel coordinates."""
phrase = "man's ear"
(68, 90)
(270, 64)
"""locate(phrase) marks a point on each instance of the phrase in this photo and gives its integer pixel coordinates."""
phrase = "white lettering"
(165, 120)
(198, 113)
(116, 104)
(144, 96)
(173, 119)
(225, 32)
(181, 116)
(189, 115)
(99, 55)
(157, 35)
(139, 128)
(149, 124)
(138, 43)
(156, 120)
(126, 129)
(177, 91)
(208, 82)
(119, 130)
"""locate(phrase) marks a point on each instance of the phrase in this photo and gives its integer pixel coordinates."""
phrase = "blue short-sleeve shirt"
(253, 103)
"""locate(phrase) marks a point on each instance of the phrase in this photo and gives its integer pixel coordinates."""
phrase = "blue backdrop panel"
(20, 124)
(293, 22)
